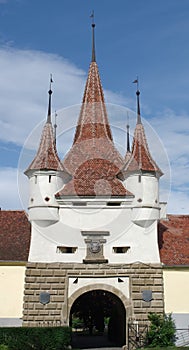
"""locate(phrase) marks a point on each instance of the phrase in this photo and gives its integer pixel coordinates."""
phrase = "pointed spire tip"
(93, 39)
(49, 105)
(128, 136)
(136, 81)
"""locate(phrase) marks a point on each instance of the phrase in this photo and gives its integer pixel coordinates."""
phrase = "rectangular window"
(49, 178)
(113, 204)
(66, 250)
(120, 250)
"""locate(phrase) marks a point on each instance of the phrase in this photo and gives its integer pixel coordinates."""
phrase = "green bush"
(35, 338)
(4, 347)
(162, 330)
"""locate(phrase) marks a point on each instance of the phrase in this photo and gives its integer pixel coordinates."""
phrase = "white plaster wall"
(176, 289)
(147, 189)
(40, 188)
(11, 291)
(117, 221)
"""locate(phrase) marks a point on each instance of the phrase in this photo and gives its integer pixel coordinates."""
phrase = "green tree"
(162, 330)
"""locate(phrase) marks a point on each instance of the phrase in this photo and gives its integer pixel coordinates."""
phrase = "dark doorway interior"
(98, 319)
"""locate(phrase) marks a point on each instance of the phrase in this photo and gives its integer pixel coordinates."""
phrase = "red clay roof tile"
(93, 152)
(14, 235)
(141, 158)
(95, 177)
(174, 240)
(46, 157)
(93, 119)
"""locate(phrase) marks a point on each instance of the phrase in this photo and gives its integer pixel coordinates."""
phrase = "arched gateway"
(99, 311)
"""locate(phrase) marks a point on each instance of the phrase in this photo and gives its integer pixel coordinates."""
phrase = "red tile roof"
(174, 240)
(93, 153)
(141, 158)
(46, 157)
(95, 177)
(14, 235)
(93, 119)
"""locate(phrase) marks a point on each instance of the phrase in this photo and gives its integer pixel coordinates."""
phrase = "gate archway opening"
(98, 318)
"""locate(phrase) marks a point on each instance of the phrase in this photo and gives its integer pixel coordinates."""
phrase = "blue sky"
(147, 38)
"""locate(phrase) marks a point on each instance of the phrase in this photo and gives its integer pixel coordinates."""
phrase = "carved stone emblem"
(94, 247)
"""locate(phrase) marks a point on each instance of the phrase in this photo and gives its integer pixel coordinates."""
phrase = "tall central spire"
(93, 159)
(93, 120)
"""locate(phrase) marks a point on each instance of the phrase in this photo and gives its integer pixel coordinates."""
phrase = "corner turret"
(47, 175)
(141, 175)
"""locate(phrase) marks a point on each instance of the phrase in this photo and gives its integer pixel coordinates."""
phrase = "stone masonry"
(53, 278)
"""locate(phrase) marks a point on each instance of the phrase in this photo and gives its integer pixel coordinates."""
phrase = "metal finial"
(93, 38)
(138, 101)
(128, 135)
(55, 126)
(49, 106)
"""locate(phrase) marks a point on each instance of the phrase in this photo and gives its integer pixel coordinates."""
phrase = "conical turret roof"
(93, 159)
(47, 156)
(140, 158)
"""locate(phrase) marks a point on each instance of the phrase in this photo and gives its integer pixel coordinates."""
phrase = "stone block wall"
(53, 278)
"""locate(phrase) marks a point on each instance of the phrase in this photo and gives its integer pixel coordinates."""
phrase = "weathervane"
(92, 18)
(136, 81)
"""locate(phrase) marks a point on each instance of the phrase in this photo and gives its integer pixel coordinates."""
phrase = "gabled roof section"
(47, 156)
(14, 235)
(93, 153)
(140, 159)
(173, 237)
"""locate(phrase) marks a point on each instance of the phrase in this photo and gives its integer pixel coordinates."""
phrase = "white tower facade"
(94, 213)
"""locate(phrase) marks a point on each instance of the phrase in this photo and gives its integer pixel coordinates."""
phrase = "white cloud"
(23, 105)
(23, 89)
(24, 85)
